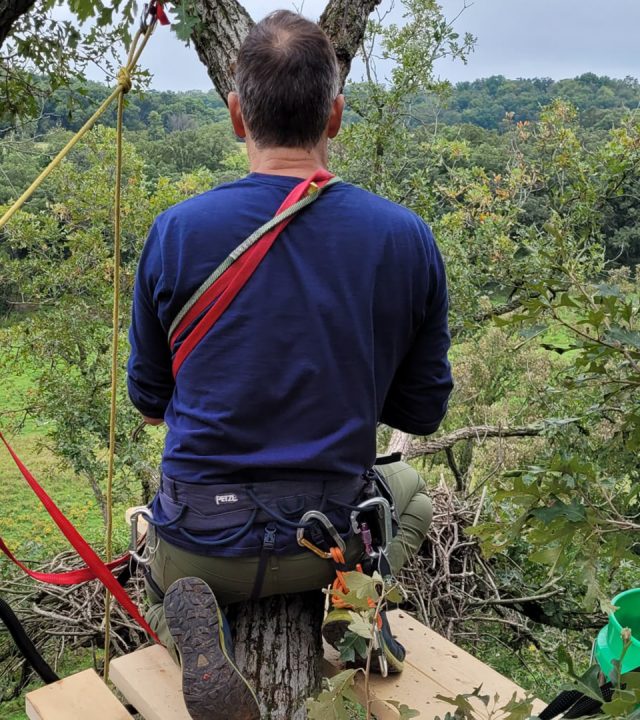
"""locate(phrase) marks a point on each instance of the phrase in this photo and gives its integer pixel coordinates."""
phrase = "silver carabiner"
(325, 522)
(144, 512)
(387, 524)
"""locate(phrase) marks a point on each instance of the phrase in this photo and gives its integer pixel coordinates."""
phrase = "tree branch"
(474, 432)
(345, 22)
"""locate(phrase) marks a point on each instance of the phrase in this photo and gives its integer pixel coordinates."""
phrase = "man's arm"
(150, 381)
(417, 400)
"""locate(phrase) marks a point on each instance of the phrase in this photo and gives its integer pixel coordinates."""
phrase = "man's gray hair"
(287, 79)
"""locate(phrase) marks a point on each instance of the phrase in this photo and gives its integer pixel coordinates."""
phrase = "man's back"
(342, 325)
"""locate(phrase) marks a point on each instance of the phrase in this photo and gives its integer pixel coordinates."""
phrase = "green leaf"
(574, 512)
(352, 646)
(360, 625)
(517, 709)
(624, 337)
(406, 713)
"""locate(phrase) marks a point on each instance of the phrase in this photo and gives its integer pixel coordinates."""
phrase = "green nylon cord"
(244, 246)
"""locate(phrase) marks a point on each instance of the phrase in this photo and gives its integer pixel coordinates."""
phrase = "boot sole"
(212, 685)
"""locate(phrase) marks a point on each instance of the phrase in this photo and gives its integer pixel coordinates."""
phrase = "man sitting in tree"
(273, 411)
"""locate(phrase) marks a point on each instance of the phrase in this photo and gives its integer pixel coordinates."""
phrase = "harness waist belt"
(210, 507)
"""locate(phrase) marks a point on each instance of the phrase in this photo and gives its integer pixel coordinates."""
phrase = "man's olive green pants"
(232, 579)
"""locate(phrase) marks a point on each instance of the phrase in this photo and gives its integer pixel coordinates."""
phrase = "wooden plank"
(77, 697)
(434, 666)
(151, 682)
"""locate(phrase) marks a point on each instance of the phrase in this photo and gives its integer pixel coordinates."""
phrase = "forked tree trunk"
(225, 23)
(279, 648)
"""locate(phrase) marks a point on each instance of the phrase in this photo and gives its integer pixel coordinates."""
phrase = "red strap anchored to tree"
(95, 568)
(224, 290)
(161, 14)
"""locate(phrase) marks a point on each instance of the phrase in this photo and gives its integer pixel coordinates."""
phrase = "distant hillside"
(600, 101)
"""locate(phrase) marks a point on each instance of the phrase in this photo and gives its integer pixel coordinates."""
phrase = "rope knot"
(124, 79)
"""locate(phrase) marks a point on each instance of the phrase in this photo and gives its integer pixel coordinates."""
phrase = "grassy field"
(27, 527)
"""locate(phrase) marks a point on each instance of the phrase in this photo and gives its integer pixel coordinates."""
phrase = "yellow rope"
(114, 373)
(124, 85)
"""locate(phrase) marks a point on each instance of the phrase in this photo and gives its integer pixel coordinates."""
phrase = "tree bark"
(10, 11)
(345, 21)
(225, 23)
(278, 647)
(411, 448)
(217, 38)
(400, 442)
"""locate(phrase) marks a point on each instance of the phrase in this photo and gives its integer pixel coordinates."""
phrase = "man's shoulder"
(385, 214)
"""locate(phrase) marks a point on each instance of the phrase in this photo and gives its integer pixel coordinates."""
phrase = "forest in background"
(532, 189)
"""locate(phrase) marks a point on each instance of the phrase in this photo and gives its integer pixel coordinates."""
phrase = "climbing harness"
(153, 13)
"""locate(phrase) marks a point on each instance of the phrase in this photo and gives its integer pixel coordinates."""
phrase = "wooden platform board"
(78, 697)
(150, 681)
(434, 666)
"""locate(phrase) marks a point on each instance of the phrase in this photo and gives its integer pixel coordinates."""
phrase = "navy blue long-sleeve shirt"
(343, 324)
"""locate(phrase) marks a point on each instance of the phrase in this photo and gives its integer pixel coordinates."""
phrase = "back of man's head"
(287, 79)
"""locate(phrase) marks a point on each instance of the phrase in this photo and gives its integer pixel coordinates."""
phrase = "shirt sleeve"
(149, 380)
(417, 399)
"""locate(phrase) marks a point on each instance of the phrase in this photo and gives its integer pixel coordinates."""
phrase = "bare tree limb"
(399, 442)
(345, 22)
(217, 38)
(474, 432)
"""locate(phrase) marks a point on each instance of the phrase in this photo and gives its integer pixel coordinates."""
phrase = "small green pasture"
(24, 524)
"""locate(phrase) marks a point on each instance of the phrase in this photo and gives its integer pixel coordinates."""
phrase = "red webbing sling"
(225, 288)
(95, 568)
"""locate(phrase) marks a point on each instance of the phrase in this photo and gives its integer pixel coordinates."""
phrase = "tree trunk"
(217, 38)
(345, 21)
(10, 11)
(279, 648)
(399, 442)
(225, 23)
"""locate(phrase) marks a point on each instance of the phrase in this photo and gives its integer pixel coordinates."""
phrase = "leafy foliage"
(60, 261)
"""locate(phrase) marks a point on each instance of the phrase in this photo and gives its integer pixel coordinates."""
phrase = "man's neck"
(294, 162)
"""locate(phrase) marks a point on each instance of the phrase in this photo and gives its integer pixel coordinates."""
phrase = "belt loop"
(169, 487)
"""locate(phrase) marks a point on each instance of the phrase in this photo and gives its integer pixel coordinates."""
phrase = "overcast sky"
(515, 38)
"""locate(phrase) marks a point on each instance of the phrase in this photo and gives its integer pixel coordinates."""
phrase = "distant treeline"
(599, 100)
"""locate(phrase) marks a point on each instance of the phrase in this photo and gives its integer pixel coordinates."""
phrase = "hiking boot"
(336, 624)
(212, 685)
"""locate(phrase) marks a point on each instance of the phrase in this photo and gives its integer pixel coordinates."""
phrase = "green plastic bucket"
(608, 644)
